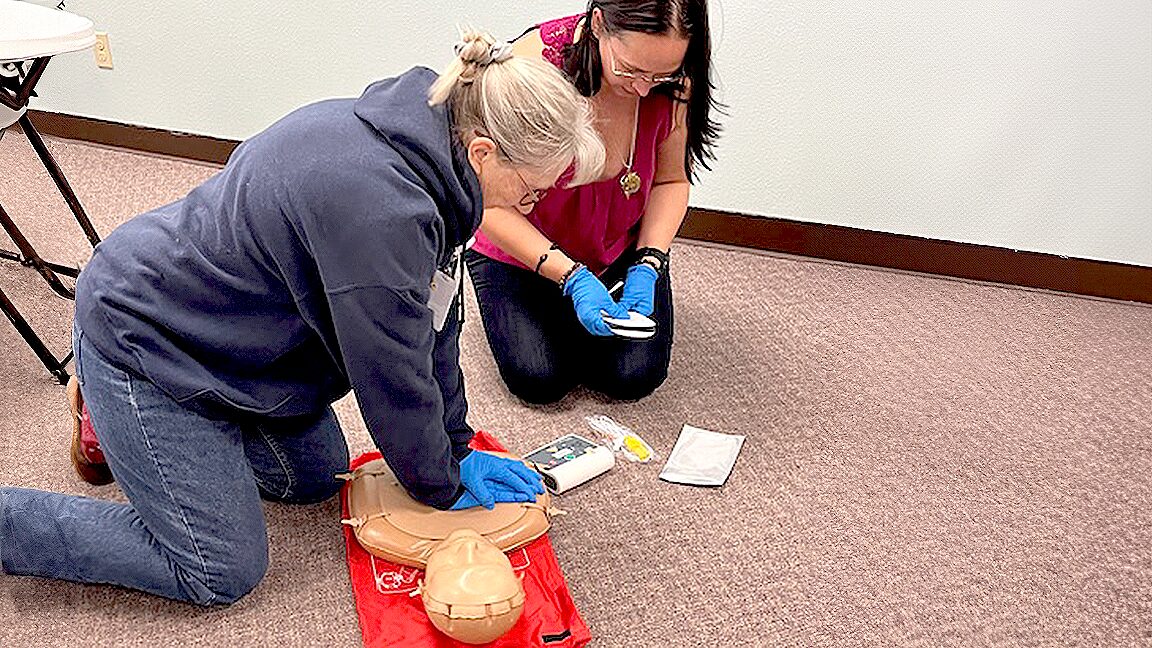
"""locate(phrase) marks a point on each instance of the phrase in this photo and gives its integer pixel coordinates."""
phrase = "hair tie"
(500, 51)
(497, 53)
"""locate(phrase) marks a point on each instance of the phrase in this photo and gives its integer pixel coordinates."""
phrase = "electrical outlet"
(103, 51)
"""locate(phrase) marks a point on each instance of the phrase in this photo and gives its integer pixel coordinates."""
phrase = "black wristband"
(651, 263)
(660, 255)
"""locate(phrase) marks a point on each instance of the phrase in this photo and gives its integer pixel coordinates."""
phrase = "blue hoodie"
(303, 270)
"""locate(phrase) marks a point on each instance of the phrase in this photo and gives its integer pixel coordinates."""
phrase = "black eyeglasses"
(533, 196)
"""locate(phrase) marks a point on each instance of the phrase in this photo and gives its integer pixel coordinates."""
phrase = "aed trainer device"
(570, 461)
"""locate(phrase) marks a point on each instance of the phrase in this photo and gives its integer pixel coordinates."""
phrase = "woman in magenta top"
(542, 272)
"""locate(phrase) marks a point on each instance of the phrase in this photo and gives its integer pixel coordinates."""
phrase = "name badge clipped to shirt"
(444, 286)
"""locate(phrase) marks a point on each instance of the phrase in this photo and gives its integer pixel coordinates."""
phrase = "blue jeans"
(193, 529)
(542, 350)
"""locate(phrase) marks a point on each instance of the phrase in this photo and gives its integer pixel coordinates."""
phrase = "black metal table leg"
(16, 98)
(29, 257)
(58, 177)
(56, 367)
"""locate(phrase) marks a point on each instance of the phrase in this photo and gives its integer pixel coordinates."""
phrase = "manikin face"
(470, 591)
(467, 569)
(634, 62)
(465, 550)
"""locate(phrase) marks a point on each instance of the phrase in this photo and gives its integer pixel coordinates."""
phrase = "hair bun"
(477, 48)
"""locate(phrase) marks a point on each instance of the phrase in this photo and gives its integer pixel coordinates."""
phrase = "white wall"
(1023, 124)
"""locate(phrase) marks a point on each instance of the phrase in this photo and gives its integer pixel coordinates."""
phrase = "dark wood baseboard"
(830, 242)
(137, 138)
(931, 256)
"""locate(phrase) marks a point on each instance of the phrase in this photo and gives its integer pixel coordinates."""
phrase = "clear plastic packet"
(621, 439)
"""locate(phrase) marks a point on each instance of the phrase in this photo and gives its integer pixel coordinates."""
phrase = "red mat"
(390, 615)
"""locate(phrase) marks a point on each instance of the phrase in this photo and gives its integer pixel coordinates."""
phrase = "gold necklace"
(630, 181)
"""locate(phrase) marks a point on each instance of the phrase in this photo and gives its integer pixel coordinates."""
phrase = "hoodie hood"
(397, 109)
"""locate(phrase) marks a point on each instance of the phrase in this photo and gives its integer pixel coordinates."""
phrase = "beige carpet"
(929, 462)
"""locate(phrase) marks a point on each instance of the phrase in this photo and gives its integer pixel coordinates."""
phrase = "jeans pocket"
(214, 404)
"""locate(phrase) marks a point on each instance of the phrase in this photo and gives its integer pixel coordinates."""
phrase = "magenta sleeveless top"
(595, 223)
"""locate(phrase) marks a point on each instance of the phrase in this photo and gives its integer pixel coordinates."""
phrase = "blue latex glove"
(640, 289)
(488, 479)
(589, 297)
(499, 493)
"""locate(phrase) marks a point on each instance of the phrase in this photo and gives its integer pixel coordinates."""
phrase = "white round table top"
(29, 31)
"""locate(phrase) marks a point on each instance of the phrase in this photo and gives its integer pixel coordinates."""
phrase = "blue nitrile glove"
(640, 289)
(499, 493)
(488, 479)
(589, 297)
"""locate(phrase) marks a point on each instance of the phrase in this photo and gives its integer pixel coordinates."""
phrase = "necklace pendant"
(630, 183)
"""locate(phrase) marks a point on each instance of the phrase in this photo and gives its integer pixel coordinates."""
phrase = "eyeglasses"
(654, 79)
(533, 196)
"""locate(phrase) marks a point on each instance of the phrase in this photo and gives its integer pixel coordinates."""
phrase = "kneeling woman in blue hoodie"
(213, 334)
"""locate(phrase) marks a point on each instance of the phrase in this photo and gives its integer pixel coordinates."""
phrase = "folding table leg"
(17, 98)
(56, 367)
(58, 177)
(29, 257)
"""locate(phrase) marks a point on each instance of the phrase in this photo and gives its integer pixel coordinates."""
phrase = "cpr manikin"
(469, 590)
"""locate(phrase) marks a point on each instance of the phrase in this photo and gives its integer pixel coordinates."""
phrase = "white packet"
(702, 457)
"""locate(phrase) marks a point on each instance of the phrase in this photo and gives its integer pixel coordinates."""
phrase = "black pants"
(543, 351)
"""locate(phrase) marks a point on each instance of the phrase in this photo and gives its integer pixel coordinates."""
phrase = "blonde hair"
(533, 113)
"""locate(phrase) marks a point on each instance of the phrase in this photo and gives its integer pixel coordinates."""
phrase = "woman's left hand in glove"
(640, 289)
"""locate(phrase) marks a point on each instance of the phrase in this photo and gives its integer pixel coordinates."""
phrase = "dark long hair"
(687, 18)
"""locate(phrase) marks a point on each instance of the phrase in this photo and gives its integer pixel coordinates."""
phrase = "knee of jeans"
(540, 393)
(315, 492)
(538, 390)
(225, 581)
(231, 582)
(306, 482)
(534, 382)
(634, 385)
